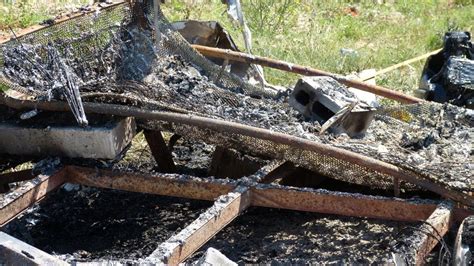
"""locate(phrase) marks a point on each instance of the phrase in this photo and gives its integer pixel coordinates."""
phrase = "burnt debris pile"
(119, 61)
(449, 75)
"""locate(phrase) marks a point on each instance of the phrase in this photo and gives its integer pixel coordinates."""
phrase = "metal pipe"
(259, 133)
(304, 70)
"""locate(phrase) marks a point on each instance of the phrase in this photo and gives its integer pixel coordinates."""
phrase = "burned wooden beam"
(7, 178)
(180, 246)
(163, 184)
(18, 176)
(16, 252)
(428, 235)
(284, 170)
(437, 225)
(27, 195)
(225, 209)
(160, 151)
(273, 196)
(341, 203)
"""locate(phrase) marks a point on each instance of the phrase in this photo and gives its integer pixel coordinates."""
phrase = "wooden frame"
(27, 195)
(232, 197)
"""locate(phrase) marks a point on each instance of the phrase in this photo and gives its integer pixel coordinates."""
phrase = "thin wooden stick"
(404, 63)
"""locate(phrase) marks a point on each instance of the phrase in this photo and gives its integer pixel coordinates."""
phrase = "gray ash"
(468, 233)
(262, 236)
(136, 54)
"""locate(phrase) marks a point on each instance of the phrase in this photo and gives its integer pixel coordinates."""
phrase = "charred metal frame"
(231, 198)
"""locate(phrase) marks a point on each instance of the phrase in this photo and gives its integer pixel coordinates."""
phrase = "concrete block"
(365, 96)
(320, 98)
(214, 257)
(99, 141)
(16, 252)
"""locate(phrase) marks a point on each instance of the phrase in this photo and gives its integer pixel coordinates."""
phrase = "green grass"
(3, 87)
(23, 13)
(313, 32)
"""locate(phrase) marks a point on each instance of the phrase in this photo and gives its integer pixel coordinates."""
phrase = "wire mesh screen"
(113, 57)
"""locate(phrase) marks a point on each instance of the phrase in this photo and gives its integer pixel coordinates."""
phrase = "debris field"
(217, 162)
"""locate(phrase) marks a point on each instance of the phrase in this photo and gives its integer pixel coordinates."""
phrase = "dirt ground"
(104, 224)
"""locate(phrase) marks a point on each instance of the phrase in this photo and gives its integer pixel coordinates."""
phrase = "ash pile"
(107, 59)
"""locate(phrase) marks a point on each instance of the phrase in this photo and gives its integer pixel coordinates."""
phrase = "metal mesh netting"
(428, 140)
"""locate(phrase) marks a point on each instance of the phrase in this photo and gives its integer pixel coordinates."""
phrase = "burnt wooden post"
(160, 151)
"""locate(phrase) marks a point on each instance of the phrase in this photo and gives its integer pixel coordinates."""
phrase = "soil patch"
(103, 224)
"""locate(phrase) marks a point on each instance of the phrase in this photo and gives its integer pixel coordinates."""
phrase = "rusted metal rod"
(304, 70)
(259, 133)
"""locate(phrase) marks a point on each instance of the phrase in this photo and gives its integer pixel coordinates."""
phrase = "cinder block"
(320, 98)
(214, 257)
(37, 139)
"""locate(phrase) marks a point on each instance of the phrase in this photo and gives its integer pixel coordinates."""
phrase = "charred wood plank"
(428, 235)
(282, 171)
(11, 177)
(160, 151)
(180, 246)
(437, 225)
(28, 194)
(18, 176)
